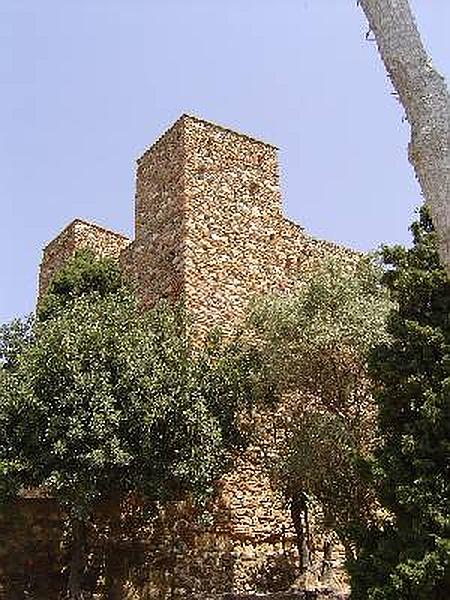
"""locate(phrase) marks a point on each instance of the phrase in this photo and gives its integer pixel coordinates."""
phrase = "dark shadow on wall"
(187, 555)
(168, 556)
(277, 574)
(31, 564)
(132, 549)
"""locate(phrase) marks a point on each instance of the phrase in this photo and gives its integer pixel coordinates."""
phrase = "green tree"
(82, 275)
(14, 337)
(408, 556)
(315, 343)
(108, 400)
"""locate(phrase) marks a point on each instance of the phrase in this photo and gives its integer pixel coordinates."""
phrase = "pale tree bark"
(424, 95)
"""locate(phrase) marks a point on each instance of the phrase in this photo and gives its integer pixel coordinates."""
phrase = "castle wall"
(55, 254)
(233, 201)
(77, 235)
(248, 545)
(155, 259)
(31, 532)
(238, 243)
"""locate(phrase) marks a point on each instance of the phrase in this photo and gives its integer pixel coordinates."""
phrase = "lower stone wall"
(244, 544)
(31, 557)
(299, 595)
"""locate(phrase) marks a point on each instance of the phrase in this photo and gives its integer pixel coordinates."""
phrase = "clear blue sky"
(87, 84)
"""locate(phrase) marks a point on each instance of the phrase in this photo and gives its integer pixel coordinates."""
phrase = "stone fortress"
(209, 226)
(209, 230)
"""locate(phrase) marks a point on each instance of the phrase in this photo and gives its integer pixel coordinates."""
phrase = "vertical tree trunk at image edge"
(424, 95)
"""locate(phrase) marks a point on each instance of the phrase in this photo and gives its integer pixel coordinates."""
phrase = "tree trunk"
(299, 515)
(115, 572)
(424, 95)
(78, 560)
(115, 560)
(327, 556)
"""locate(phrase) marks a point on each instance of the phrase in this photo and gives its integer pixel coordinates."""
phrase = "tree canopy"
(105, 399)
(408, 556)
(316, 342)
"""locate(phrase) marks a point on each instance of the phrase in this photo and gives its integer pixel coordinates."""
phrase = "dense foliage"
(316, 342)
(14, 337)
(101, 399)
(409, 556)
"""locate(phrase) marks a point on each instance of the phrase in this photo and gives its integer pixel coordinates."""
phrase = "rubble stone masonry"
(209, 230)
(79, 234)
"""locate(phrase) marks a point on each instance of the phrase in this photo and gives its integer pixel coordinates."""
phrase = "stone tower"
(209, 227)
(207, 202)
